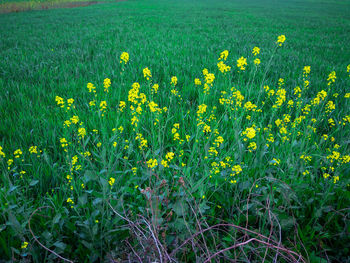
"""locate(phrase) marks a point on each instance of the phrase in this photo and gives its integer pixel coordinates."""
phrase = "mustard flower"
(147, 73)
(331, 78)
(306, 70)
(32, 149)
(164, 163)
(106, 84)
(173, 80)
(24, 245)
(249, 132)
(256, 51)
(169, 156)
(60, 101)
(223, 55)
(155, 88)
(81, 132)
(197, 82)
(124, 57)
(91, 87)
(111, 181)
(2, 154)
(257, 61)
(151, 163)
(241, 63)
(122, 105)
(281, 39)
(17, 153)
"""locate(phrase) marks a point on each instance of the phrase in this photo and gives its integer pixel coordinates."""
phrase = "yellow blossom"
(173, 80)
(256, 51)
(241, 63)
(147, 73)
(281, 39)
(124, 57)
(106, 84)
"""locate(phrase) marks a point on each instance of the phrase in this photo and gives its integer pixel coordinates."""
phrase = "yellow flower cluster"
(242, 63)
(281, 39)
(147, 73)
(106, 84)
(124, 57)
(152, 163)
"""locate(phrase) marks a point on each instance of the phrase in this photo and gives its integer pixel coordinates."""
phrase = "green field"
(267, 161)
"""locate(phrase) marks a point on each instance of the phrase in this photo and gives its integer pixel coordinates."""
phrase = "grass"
(57, 52)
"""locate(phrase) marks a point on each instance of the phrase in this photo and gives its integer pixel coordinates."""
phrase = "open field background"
(56, 52)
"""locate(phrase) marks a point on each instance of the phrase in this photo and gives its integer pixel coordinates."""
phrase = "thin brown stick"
(240, 228)
(30, 229)
(250, 240)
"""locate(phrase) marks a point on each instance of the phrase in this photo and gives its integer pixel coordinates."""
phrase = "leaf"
(56, 219)
(82, 199)
(33, 182)
(60, 245)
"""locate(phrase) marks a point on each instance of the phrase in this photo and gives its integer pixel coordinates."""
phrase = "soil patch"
(11, 7)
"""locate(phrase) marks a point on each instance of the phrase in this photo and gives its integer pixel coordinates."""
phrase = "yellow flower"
(99, 144)
(275, 161)
(2, 154)
(164, 163)
(103, 105)
(169, 156)
(249, 133)
(256, 51)
(173, 80)
(124, 57)
(32, 149)
(236, 169)
(201, 109)
(331, 78)
(155, 88)
(151, 163)
(257, 61)
(81, 132)
(91, 87)
(111, 181)
(122, 105)
(60, 101)
(106, 84)
(147, 73)
(222, 67)
(306, 70)
(281, 39)
(17, 153)
(70, 101)
(206, 128)
(197, 82)
(252, 146)
(24, 245)
(223, 55)
(74, 119)
(9, 162)
(241, 63)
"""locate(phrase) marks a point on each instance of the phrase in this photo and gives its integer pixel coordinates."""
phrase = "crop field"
(175, 131)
